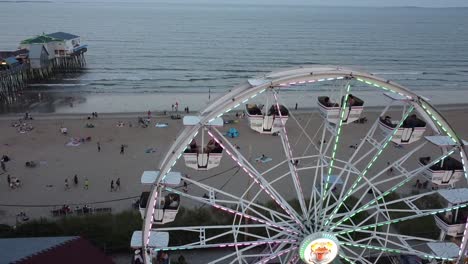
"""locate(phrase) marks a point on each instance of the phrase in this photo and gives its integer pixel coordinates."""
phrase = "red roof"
(76, 251)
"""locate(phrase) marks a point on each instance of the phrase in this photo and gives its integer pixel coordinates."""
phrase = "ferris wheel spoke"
(248, 168)
(353, 256)
(371, 163)
(240, 255)
(315, 194)
(419, 214)
(379, 235)
(337, 136)
(372, 183)
(249, 210)
(350, 162)
(276, 255)
(390, 190)
(290, 157)
(209, 236)
(397, 250)
(315, 199)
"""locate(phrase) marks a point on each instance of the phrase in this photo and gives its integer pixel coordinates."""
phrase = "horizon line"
(234, 3)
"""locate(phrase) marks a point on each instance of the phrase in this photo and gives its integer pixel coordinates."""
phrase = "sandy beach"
(43, 187)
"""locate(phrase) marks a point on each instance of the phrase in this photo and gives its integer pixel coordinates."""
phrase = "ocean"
(141, 55)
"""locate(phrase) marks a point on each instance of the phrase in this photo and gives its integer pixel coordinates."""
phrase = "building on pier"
(37, 59)
(58, 44)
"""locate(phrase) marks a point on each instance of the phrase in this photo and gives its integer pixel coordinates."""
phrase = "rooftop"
(71, 250)
(455, 196)
(40, 39)
(62, 36)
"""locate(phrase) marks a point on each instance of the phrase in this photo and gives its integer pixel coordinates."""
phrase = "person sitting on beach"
(15, 183)
(5, 158)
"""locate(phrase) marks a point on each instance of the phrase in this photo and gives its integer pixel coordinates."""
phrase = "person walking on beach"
(117, 183)
(185, 189)
(67, 186)
(122, 149)
(86, 184)
(173, 108)
(9, 180)
(98, 146)
(149, 114)
(75, 180)
(3, 165)
(390, 169)
(112, 186)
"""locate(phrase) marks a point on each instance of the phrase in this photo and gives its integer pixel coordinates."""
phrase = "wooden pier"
(37, 60)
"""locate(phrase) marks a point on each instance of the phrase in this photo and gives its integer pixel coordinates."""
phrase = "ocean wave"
(57, 84)
(139, 69)
(191, 79)
(400, 73)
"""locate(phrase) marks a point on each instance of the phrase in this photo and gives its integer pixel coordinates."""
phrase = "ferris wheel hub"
(319, 248)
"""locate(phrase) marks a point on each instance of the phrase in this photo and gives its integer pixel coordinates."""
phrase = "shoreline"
(134, 103)
(160, 114)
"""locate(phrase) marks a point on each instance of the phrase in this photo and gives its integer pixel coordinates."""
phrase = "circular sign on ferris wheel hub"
(319, 248)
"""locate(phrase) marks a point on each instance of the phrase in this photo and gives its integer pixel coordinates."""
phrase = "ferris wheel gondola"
(167, 204)
(203, 157)
(332, 111)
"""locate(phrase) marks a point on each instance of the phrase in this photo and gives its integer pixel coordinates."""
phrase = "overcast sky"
(380, 3)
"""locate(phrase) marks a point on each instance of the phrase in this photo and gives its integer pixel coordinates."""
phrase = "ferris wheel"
(341, 183)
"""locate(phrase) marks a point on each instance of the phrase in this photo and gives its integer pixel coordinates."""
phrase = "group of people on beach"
(75, 183)
(13, 182)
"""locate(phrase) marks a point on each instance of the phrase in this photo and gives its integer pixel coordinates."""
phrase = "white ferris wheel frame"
(282, 80)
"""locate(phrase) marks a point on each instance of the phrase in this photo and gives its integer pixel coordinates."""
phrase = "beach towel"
(150, 150)
(73, 143)
(161, 125)
(263, 160)
(232, 133)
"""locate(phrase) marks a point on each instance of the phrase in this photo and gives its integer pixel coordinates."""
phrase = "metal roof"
(455, 196)
(194, 120)
(441, 140)
(62, 35)
(173, 178)
(157, 239)
(14, 249)
(40, 39)
(444, 249)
